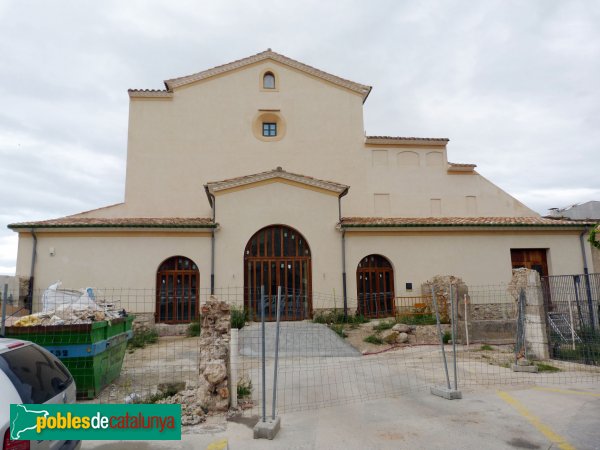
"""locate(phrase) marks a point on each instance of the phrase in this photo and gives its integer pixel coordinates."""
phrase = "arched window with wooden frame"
(375, 287)
(177, 291)
(278, 255)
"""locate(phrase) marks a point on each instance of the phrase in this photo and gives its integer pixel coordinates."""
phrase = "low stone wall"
(488, 331)
(143, 322)
(491, 311)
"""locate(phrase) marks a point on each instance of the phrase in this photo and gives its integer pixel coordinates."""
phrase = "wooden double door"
(278, 256)
(375, 287)
(530, 258)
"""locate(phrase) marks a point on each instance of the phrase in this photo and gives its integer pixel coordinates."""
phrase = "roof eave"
(29, 226)
(465, 225)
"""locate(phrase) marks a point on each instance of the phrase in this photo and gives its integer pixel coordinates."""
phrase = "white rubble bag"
(62, 300)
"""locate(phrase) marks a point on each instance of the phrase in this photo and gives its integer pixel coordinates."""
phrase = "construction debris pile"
(69, 307)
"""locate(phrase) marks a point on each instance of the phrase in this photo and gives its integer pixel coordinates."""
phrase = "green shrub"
(239, 317)
(337, 316)
(244, 388)
(372, 339)
(141, 338)
(543, 367)
(194, 328)
(338, 328)
(417, 319)
(446, 337)
(384, 325)
(486, 347)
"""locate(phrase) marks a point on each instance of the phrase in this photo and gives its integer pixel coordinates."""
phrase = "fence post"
(263, 356)
(466, 321)
(233, 366)
(4, 302)
(266, 429)
(523, 364)
(454, 314)
(276, 353)
(445, 392)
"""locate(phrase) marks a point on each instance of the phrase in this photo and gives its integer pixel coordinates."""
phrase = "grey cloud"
(513, 85)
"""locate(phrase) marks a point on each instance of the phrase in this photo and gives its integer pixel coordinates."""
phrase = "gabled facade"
(258, 172)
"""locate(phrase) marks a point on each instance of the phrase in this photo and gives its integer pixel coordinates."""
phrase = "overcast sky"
(514, 85)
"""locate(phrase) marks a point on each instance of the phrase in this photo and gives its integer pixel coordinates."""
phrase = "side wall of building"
(479, 258)
(123, 264)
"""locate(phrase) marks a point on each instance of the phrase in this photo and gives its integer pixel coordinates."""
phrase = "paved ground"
(552, 416)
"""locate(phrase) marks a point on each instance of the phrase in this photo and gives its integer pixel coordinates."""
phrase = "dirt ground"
(420, 335)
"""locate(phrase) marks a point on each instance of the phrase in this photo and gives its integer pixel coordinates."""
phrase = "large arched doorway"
(278, 256)
(177, 286)
(375, 286)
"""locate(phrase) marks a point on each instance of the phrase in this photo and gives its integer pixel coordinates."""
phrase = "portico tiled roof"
(391, 140)
(393, 222)
(262, 56)
(216, 186)
(124, 222)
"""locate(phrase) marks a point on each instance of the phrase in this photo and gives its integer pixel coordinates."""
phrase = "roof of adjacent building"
(216, 186)
(267, 54)
(122, 222)
(392, 222)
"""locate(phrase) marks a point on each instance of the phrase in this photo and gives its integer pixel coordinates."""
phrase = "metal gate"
(572, 305)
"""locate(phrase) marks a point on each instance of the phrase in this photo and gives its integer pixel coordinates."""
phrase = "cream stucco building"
(258, 172)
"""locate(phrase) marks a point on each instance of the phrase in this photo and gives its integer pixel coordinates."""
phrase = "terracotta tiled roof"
(216, 186)
(126, 222)
(269, 54)
(457, 222)
(391, 140)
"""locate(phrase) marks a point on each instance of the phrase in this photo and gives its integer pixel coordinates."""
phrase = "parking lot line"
(566, 391)
(535, 421)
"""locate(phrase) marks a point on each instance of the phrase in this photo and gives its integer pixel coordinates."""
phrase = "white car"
(31, 374)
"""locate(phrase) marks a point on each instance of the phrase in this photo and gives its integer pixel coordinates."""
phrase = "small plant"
(143, 337)
(194, 328)
(338, 328)
(385, 325)
(238, 318)
(446, 337)
(543, 367)
(417, 319)
(358, 319)
(486, 347)
(372, 339)
(244, 388)
(159, 395)
(337, 316)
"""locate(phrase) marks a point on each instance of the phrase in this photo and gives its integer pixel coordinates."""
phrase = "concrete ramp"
(296, 339)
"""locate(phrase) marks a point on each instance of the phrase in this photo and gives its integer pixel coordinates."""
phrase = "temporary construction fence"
(502, 334)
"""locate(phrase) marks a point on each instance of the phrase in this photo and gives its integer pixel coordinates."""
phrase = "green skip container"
(92, 352)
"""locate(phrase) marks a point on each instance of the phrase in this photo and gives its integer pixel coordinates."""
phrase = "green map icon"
(24, 419)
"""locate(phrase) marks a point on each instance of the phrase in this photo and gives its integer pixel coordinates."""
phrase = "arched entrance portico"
(278, 255)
